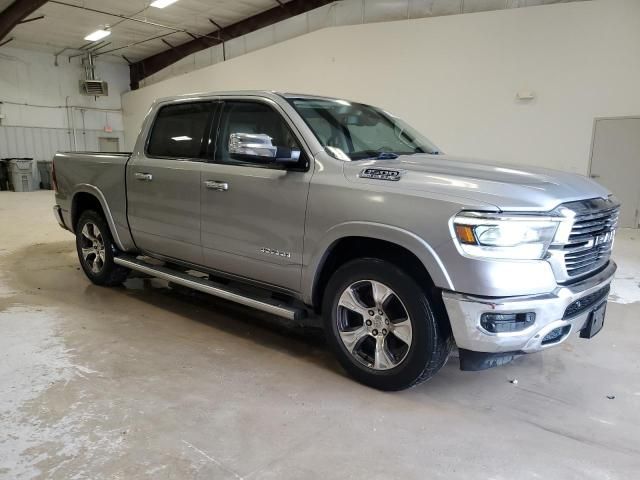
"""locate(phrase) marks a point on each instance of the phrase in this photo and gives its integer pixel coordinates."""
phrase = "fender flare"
(398, 236)
(97, 193)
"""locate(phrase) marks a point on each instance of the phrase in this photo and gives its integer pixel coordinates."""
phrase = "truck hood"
(507, 187)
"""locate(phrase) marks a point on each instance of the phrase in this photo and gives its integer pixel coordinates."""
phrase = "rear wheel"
(381, 325)
(96, 250)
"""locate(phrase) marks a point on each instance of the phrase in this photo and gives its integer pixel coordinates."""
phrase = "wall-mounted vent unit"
(94, 88)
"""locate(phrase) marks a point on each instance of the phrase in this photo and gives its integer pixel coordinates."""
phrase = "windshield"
(354, 131)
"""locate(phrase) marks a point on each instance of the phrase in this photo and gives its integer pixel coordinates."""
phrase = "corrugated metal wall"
(42, 143)
(38, 143)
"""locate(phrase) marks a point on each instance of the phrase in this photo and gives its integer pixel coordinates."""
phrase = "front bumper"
(550, 309)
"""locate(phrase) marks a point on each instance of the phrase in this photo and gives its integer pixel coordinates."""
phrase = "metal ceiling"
(14, 14)
(137, 29)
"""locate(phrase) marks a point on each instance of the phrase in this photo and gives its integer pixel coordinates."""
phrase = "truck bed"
(99, 173)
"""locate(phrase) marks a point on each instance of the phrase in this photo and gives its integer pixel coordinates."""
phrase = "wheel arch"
(87, 197)
(360, 239)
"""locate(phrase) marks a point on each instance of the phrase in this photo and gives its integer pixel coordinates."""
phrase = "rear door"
(163, 182)
(253, 214)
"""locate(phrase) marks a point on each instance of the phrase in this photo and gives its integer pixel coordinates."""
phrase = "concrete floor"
(146, 382)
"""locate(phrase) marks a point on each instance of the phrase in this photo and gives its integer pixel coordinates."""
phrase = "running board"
(206, 286)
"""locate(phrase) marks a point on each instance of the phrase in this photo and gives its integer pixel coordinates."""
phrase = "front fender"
(419, 247)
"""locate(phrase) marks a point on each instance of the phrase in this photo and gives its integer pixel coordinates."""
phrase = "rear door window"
(181, 131)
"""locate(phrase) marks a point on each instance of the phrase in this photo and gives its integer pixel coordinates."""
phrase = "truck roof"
(258, 93)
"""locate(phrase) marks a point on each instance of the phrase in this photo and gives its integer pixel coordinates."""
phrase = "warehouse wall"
(34, 94)
(456, 77)
(335, 14)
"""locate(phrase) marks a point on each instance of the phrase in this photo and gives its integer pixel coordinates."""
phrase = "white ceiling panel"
(67, 22)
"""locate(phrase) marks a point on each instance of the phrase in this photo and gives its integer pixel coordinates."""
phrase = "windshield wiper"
(387, 156)
(373, 154)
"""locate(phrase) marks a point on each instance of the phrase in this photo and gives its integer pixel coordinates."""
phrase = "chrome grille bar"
(590, 240)
(588, 245)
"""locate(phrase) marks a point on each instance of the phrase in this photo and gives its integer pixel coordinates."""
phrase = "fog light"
(556, 334)
(506, 322)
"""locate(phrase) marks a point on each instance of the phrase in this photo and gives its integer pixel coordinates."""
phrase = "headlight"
(517, 237)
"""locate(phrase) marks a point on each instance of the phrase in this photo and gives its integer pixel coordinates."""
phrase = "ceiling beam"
(150, 65)
(15, 13)
(27, 20)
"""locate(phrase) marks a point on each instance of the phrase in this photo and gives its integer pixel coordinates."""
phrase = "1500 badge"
(381, 174)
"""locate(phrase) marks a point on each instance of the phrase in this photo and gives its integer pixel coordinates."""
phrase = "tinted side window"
(251, 117)
(180, 131)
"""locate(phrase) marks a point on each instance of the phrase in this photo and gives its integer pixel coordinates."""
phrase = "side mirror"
(258, 147)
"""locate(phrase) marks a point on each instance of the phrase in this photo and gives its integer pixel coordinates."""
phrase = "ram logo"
(277, 253)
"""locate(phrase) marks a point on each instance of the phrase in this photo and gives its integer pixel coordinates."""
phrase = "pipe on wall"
(69, 109)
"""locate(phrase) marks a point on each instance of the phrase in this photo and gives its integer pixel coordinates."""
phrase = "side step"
(267, 305)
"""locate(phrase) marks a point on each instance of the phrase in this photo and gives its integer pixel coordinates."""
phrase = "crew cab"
(311, 207)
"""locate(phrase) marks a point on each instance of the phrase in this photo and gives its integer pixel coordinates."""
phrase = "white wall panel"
(291, 28)
(341, 13)
(455, 77)
(349, 12)
(434, 8)
(43, 143)
(203, 58)
(470, 6)
(322, 17)
(217, 53)
(235, 47)
(259, 39)
(385, 10)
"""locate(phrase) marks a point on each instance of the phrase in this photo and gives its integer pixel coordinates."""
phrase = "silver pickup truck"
(305, 206)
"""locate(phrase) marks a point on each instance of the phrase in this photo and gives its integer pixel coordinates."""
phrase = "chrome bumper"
(465, 311)
(57, 212)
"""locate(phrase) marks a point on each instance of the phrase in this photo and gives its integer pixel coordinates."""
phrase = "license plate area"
(595, 322)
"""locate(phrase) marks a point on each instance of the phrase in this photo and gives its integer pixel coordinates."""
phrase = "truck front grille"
(591, 238)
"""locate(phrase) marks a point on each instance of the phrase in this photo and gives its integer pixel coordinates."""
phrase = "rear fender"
(121, 238)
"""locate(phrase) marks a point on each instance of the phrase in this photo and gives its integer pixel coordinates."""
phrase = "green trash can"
(21, 174)
(44, 169)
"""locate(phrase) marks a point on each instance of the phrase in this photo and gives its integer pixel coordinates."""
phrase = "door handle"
(215, 185)
(594, 175)
(143, 177)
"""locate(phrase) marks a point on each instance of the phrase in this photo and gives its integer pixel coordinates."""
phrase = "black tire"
(429, 344)
(106, 273)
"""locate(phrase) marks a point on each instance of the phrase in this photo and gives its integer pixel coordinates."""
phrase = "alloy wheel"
(92, 245)
(374, 325)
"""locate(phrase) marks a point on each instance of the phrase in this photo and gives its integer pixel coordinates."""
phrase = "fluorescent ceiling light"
(97, 35)
(162, 3)
(181, 138)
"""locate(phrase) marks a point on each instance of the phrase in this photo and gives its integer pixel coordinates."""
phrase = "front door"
(253, 214)
(163, 183)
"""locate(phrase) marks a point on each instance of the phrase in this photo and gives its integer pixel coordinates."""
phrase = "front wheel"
(381, 325)
(95, 250)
